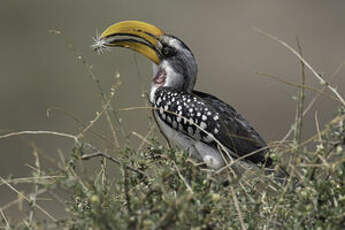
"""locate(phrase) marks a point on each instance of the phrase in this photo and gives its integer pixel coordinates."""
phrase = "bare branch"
(101, 154)
(322, 81)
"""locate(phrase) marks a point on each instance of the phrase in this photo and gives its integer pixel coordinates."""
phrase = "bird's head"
(174, 63)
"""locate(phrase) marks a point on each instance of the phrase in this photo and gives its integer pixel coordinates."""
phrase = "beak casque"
(147, 34)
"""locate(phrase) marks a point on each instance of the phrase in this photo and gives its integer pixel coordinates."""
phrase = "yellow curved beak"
(148, 37)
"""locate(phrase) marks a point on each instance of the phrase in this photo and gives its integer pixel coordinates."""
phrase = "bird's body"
(189, 123)
(206, 127)
(201, 124)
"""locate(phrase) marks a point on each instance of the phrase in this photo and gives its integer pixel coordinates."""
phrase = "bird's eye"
(167, 51)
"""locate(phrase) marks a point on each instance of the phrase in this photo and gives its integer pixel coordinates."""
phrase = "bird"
(207, 128)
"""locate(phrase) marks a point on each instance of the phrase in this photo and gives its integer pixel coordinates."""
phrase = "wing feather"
(241, 137)
(205, 118)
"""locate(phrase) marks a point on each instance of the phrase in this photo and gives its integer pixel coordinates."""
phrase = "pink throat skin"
(160, 78)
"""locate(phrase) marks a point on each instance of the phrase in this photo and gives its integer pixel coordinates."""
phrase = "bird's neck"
(165, 76)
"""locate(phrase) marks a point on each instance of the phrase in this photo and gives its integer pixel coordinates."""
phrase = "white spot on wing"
(203, 125)
(204, 118)
(191, 121)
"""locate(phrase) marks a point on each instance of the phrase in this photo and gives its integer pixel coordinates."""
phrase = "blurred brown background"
(39, 70)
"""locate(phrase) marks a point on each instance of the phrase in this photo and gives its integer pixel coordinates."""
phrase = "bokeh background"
(40, 69)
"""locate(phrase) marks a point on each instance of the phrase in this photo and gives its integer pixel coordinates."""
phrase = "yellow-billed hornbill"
(205, 126)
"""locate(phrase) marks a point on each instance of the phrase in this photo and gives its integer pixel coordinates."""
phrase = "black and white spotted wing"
(187, 113)
(243, 139)
(193, 114)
